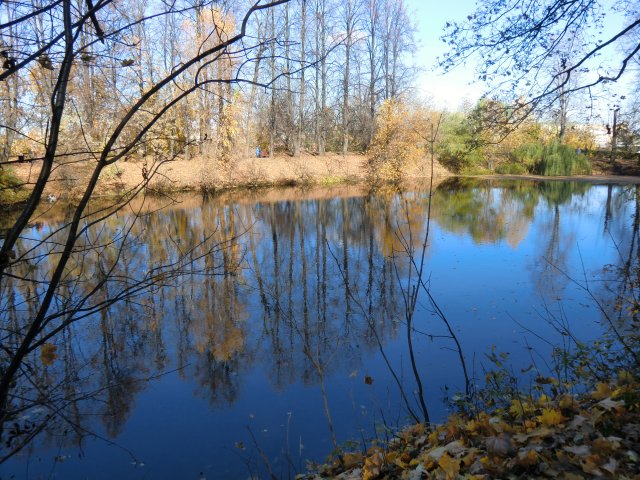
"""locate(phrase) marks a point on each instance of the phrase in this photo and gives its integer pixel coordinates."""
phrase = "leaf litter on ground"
(595, 435)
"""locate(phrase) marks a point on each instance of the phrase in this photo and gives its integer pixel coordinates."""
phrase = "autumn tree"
(400, 140)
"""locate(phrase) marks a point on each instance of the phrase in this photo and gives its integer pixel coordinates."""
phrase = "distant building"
(601, 135)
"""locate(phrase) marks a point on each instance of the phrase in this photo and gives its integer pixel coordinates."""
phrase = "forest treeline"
(161, 79)
(310, 76)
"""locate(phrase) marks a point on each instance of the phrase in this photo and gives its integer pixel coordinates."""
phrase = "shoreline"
(594, 179)
(250, 174)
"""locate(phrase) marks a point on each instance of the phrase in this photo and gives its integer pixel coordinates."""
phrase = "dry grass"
(200, 173)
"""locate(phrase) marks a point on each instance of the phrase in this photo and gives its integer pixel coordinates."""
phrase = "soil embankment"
(199, 173)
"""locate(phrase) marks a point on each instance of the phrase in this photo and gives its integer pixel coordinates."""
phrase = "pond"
(256, 331)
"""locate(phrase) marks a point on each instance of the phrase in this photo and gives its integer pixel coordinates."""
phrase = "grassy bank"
(203, 174)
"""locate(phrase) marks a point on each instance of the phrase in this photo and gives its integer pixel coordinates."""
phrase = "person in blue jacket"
(258, 152)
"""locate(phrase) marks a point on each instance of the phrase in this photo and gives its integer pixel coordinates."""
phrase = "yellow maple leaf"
(527, 458)
(449, 466)
(391, 456)
(415, 430)
(470, 457)
(543, 400)
(433, 437)
(477, 426)
(372, 465)
(428, 462)
(567, 402)
(551, 417)
(48, 354)
(602, 391)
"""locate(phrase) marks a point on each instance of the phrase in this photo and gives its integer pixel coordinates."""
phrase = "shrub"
(10, 187)
(475, 170)
(552, 159)
(395, 145)
(483, 137)
(459, 149)
(511, 168)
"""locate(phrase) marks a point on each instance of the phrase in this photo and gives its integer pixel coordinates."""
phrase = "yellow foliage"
(567, 402)
(543, 400)
(413, 431)
(397, 142)
(351, 459)
(624, 377)
(228, 128)
(48, 354)
(211, 26)
(479, 425)
(25, 146)
(433, 437)
(551, 417)
(527, 132)
(520, 408)
(372, 466)
(577, 137)
(602, 391)
(450, 466)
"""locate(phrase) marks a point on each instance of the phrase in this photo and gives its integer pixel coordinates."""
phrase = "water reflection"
(302, 289)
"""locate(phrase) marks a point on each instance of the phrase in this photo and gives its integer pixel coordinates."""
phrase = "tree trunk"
(303, 33)
(349, 18)
(287, 50)
(373, 26)
(272, 112)
(323, 63)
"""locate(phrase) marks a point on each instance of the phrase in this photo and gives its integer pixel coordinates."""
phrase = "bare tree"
(517, 43)
(303, 38)
(350, 19)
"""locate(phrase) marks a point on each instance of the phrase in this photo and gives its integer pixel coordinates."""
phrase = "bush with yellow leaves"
(397, 143)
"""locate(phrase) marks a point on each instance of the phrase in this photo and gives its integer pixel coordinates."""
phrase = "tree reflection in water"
(269, 283)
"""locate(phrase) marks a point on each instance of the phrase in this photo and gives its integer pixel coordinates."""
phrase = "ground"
(621, 166)
(282, 170)
(201, 173)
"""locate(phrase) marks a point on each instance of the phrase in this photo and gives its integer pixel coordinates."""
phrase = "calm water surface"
(222, 371)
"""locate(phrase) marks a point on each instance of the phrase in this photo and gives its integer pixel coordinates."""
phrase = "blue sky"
(446, 91)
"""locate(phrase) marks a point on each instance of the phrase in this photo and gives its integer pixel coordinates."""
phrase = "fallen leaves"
(372, 466)
(551, 417)
(449, 466)
(568, 437)
(501, 445)
(527, 458)
(602, 391)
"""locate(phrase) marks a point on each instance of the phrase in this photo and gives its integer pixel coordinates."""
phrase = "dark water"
(274, 313)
